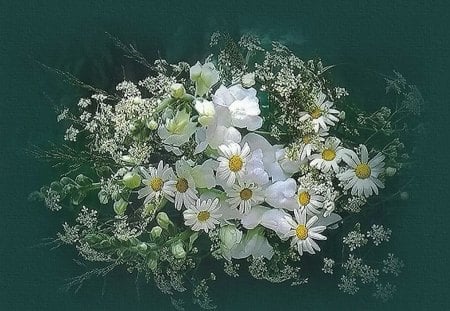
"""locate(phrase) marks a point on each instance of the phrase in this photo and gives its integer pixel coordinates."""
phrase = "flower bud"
(156, 232)
(152, 264)
(177, 90)
(390, 171)
(131, 180)
(141, 247)
(230, 236)
(163, 220)
(248, 80)
(341, 115)
(178, 250)
(151, 124)
(205, 110)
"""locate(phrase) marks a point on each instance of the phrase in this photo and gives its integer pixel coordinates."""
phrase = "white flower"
(204, 215)
(177, 131)
(282, 194)
(155, 181)
(183, 186)
(232, 162)
(330, 155)
(217, 129)
(203, 174)
(278, 221)
(206, 111)
(362, 177)
(244, 195)
(304, 232)
(321, 114)
(242, 104)
(269, 155)
(309, 200)
(310, 143)
(204, 76)
(248, 80)
(254, 244)
(229, 236)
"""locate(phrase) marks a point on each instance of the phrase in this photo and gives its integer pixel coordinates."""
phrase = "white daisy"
(330, 155)
(183, 186)
(155, 181)
(204, 215)
(310, 141)
(363, 174)
(245, 195)
(321, 113)
(232, 162)
(304, 232)
(309, 200)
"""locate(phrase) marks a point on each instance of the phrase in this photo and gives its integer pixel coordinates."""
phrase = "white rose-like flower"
(242, 104)
(229, 236)
(283, 194)
(206, 111)
(204, 76)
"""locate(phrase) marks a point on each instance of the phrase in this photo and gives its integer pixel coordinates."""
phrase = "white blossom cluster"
(244, 152)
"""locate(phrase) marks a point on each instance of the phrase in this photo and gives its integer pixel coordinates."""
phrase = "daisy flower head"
(330, 155)
(321, 114)
(203, 215)
(310, 141)
(362, 177)
(183, 185)
(244, 195)
(304, 232)
(309, 200)
(156, 182)
(232, 161)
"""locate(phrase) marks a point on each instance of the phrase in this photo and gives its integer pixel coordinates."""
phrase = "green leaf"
(103, 197)
(120, 207)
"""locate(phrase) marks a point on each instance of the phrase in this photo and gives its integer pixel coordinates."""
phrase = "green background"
(409, 36)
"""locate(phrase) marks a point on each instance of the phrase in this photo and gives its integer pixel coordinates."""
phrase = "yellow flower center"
(363, 171)
(328, 154)
(301, 232)
(304, 198)
(246, 194)
(203, 216)
(235, 163)
(182, 185)
(156, 184)
(316, 113)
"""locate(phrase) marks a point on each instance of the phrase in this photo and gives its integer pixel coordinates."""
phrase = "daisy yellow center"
(363, 171)
(246, 194)
(203, 216)
(156, 184)
(316, 113)
(235, 163)
(302, 232)
(304, 198)
(328, 154)
(182, 185)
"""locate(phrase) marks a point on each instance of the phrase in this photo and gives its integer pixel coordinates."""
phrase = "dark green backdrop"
(409, 36)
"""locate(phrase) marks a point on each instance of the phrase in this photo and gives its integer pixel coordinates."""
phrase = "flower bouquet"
(251, 158)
